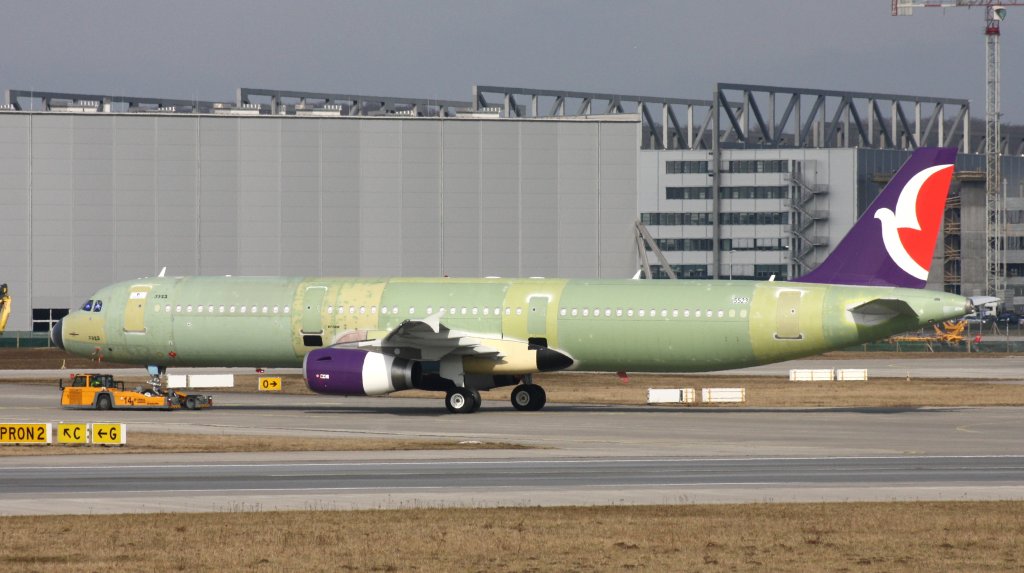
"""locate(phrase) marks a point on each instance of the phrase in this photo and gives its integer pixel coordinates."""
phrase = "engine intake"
(348, 372)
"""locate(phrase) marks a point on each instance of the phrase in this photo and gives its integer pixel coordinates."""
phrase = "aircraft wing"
(426, 339)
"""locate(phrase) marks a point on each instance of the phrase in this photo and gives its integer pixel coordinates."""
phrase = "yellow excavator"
(5, 307)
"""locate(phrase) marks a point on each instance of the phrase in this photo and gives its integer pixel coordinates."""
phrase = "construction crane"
(995, 12)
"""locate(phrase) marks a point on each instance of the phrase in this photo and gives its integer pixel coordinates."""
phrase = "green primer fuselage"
(603, 325)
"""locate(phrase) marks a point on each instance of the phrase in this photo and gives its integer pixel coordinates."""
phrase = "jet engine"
(349, 372)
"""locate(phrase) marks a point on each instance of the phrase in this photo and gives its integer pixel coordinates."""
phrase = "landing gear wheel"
(460, 401)
(103, 403)
(477, 400)
(529, 398)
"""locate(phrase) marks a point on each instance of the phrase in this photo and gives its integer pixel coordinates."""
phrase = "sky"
(439, 48)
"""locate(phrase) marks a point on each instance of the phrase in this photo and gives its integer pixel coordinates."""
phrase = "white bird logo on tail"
(905, 217)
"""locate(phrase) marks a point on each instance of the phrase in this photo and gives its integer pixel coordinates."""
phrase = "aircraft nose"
(57, 334)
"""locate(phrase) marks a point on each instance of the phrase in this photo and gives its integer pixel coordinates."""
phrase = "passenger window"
(696, 313)
(265, 310)
(199, 308)
(373, 310)
(287, 309)
(618, 312)
(362, 310)
(675, 313)
(222, 309)
(384, 310)
(519, 311)
(607, 312)
(412, 310)
(351, 310)
(232, 309)
(640, 313)
(487, 311)
(629, 312)
(586, 312)
(177, 308)
(394, 310)
(463, 310)
(242, 309)
(574, 312)
(686, 313)
(664, 313)
(561, 312)
(721, 313)
(330, 309)
(188, 308)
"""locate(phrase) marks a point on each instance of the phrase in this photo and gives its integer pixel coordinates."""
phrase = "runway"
(531, 481)
(580, 454)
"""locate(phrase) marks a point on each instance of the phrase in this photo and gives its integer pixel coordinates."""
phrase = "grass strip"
(862, 537)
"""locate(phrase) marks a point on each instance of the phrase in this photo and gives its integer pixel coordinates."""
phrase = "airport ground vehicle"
(102, 392)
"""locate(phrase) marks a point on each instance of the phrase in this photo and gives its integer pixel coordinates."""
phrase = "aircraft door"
(135, 309)
(312, 304)
(787, 317)
(537, 319)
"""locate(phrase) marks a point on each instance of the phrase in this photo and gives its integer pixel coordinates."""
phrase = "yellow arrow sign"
(109, 434)
(25, 434)
(73, 433)
(268, 384)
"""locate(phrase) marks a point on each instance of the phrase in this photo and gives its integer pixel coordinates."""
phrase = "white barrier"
(852, 374)
(671, 395)
(211, 380)
(721, 395)
(812, 375)
(201, 381)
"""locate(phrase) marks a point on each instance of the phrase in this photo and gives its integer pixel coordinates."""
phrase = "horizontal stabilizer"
(881, 310)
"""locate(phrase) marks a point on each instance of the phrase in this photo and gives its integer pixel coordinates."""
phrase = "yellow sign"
(270, 384)
(25, 434)
(73, 433)
(109, 434)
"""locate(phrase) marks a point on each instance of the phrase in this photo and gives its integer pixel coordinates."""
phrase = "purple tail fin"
(893, 242)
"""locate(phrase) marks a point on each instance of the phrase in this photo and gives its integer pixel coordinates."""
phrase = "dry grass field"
(849, 537)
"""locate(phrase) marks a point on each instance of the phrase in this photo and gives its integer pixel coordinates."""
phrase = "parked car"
(1008, 318)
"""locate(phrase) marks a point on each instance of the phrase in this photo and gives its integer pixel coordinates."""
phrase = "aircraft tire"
(477, 400)
(103, 402)
(540, 397)
(528, 398)
(460, 401)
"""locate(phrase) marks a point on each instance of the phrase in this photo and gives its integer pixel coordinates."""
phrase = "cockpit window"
(87, 306)
(97, 306)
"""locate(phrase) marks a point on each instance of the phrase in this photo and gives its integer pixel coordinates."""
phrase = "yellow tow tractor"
(102, 392)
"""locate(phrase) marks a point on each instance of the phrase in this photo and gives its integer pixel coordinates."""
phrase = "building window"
(684, 244)
(686, 167)
(759, 166)
(751, 192)
(675, 218)
(752, 244)
(43, 319)
(754, 218)
(687, 192)
(764, 272)
(682, 271)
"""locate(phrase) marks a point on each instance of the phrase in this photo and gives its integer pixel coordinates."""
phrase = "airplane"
(374, 336)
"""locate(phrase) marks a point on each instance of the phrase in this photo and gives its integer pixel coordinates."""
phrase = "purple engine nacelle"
(348, 372)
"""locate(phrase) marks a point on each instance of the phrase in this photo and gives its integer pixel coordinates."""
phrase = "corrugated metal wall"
(93, 199)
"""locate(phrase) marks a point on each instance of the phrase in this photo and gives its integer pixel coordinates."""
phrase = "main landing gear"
(525, 398)
(462, 400)
(528, 398)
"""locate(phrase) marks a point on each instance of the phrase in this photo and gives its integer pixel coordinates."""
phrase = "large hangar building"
(513, 182)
